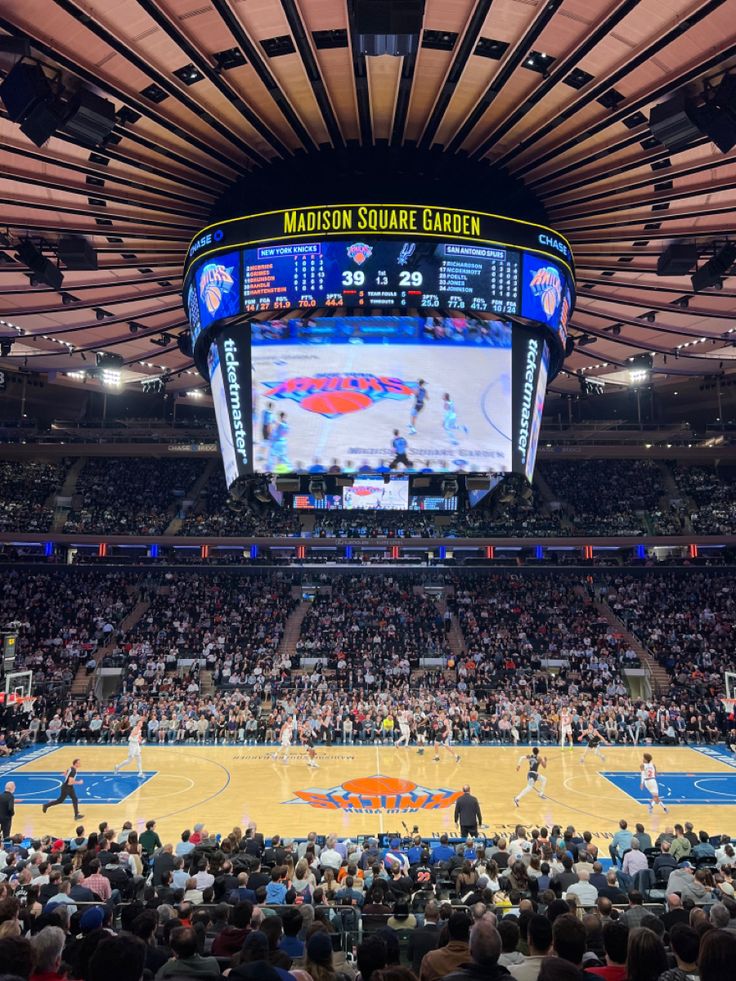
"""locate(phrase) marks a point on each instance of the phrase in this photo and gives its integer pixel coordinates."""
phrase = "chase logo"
(554, 243)
(372, 795)
(215, 282)
(337, 394)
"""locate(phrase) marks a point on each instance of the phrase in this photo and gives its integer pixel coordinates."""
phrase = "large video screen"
(382, 273)
(382, 394)
(371, 494)
(378, 395)
(427, 503)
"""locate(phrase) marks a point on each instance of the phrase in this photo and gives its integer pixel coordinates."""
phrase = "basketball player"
(534, 779)
(135, 740)
(445, 741)
(404, 729)
(649, 781)
(267, 421)
(420, 733)
(67, 790)
(594, 742)
(400, 447)
(420, 397)
(278, 453)
(450, 423)
(285, 737)
(565, 727)
(308, 740)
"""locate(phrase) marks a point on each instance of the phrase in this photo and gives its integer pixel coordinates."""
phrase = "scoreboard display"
(381, 273)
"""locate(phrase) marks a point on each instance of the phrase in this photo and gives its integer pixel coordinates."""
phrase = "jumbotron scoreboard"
(402, 282)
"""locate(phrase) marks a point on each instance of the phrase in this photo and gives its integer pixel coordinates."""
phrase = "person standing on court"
(68, 784)
(467, 813)
(7, 810)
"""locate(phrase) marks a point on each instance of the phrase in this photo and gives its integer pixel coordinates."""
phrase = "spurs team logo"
(371, 795)
(335, 394)
(360, 252)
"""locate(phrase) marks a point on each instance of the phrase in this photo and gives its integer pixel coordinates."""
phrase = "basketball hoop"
(729, 706)
(13, 698)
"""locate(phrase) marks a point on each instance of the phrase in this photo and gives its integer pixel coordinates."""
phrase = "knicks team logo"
(360, 252)
(215, 282)
(337, 394)
(546, 285)
(371, 795)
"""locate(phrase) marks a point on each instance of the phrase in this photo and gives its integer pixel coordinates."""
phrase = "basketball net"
(11, 698)
(729, 705)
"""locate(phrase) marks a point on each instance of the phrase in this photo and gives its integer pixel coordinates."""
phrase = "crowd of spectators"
(590, 497)
(130, 495)
(216, 513)
(687, 622)
(707, 498)
(61, 620)
(379, 620)
(232, 625)
(382, 524)
(611, 497)
(494, 657)
(538, 904)
(26, 493)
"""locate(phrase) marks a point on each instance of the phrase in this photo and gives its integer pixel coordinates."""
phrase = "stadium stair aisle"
(83, 681)
(193, 494)
(455, 636)
(545, 491)
(292, 631)
(68, 489)
(668, 481)
(660, 680)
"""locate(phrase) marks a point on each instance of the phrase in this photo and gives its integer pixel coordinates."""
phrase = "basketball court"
(361, 790)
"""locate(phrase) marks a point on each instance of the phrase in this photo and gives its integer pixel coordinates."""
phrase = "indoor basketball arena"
(367, 517)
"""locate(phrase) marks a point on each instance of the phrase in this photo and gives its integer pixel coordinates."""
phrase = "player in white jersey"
(285, 736)
(445, 741)
(534, 779)
(135, 740)
(565, 727)
(594, 742)
(649, 782)
(404, 729)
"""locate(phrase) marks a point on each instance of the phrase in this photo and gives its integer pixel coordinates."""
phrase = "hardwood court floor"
(360, 790)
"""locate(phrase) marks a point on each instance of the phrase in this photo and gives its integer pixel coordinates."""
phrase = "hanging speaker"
(90, 119)
(43, 120)
(24, 87)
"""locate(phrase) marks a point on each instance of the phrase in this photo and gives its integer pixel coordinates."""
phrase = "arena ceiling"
(206, 91)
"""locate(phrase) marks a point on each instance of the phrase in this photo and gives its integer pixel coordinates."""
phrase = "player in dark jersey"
(594, 742)
(67, 790)
(534, 779)
(309, 740)
(420, 397)
(443, 740)
(400, 446)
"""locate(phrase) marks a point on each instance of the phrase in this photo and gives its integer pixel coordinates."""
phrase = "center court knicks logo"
(334, 394)
(372, 795)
